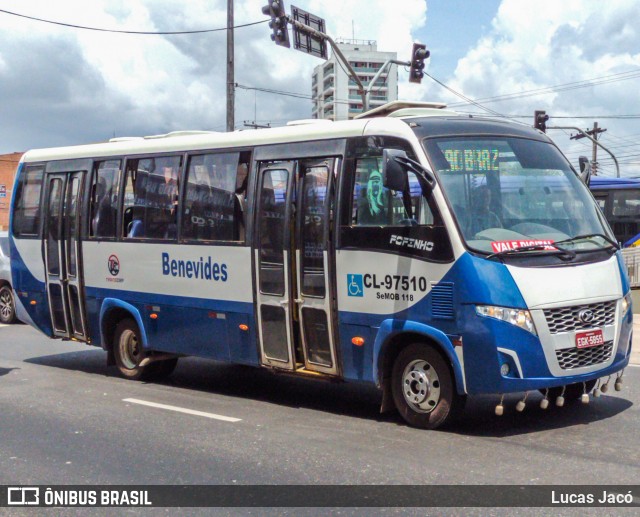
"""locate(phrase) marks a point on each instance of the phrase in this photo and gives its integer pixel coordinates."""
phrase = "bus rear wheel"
(422, 387)
(128, 352)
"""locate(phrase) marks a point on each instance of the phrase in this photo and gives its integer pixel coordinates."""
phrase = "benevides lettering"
(203, 269)
(409, 242)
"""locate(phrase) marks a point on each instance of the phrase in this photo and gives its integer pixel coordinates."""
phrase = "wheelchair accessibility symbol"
(354, 285)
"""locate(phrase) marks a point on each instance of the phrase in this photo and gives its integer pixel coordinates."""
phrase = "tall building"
(335, 94)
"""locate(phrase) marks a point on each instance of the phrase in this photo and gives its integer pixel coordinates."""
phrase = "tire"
(128, 352)
(423, 388)
(572, 392)
(7, 306)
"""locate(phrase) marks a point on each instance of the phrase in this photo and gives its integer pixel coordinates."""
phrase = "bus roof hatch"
(405, 109)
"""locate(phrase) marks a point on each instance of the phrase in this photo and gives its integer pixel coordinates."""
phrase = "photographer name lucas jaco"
(586, 498)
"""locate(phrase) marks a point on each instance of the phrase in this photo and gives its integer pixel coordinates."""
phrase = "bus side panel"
(357, 361)
(27, 272)
(375, 287)
(192, 300)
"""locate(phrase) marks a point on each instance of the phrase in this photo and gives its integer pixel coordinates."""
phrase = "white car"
(7, 306)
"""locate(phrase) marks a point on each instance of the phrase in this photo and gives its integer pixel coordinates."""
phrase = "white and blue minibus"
(392, 249)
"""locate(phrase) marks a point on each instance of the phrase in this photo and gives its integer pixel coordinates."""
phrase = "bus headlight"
(626, 303)
(518, 317)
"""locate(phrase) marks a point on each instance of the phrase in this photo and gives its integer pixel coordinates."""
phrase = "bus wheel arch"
(129, 353)
(109, 321)
(124, 338)
(416, 358)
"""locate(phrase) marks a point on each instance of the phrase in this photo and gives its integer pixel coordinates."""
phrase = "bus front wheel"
(422, 387)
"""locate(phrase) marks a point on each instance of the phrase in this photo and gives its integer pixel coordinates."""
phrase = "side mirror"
(585, 170)
(394, 173)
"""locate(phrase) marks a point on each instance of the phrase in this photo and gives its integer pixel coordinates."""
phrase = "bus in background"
(619, 200)
(392, 249)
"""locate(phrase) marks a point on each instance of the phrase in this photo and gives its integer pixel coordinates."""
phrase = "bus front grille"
(567, 319)
(570, 358)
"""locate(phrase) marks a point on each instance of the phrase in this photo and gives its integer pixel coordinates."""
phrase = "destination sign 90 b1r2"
(473, 160)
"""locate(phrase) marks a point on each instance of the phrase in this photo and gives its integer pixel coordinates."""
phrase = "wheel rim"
(421, 386)
(6, 305)
(130, 353)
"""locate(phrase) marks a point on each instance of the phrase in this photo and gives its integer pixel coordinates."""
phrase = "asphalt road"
(65, 419)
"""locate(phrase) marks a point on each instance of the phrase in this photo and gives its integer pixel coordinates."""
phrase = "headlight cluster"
(518, 317)
(626, 303)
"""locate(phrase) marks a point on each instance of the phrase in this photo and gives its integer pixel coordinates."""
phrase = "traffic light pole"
(595, 142)
(369, 87)
(321, 35)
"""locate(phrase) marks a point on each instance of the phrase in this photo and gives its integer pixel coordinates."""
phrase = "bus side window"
(26, 215)
(104, 198)
(151, 198)
(214, 200)
(374, 205)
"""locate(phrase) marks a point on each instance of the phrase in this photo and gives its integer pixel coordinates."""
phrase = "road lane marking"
(183, 410)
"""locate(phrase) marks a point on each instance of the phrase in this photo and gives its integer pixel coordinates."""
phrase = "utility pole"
(594, 153)
(230, 73)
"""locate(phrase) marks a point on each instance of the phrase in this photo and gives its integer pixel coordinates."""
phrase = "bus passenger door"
(62, 255)
(314, 287)
(273, 226)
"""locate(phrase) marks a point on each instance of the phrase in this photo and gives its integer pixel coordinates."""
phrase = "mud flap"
(387, 404)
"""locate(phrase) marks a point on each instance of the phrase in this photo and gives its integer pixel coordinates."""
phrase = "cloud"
(545, 43)
(62, 86)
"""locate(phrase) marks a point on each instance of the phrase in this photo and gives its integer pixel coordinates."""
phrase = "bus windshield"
(512, 192)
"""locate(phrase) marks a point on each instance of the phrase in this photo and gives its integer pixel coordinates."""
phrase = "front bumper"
(546, 360)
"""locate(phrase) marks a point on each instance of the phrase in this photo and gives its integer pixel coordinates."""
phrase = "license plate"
(590, 338)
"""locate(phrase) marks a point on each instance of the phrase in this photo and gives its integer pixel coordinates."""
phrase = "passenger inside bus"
(153, 213)
(103, 221)
(171, 201)
(240, 200)
(482, 216)
(373, 201)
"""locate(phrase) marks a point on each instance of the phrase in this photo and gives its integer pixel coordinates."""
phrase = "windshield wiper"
(564, 253)
(589, 236)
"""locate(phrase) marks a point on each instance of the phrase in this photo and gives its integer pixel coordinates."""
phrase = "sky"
(579, 60)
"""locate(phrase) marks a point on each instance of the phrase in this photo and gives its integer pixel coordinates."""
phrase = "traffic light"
(278, 23)
(418, 55)
(540, 118)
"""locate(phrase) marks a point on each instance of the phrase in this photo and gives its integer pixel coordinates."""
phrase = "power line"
(462, 96)
(276, 92)
(156, 33)
(286, 93)
(621, 76)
